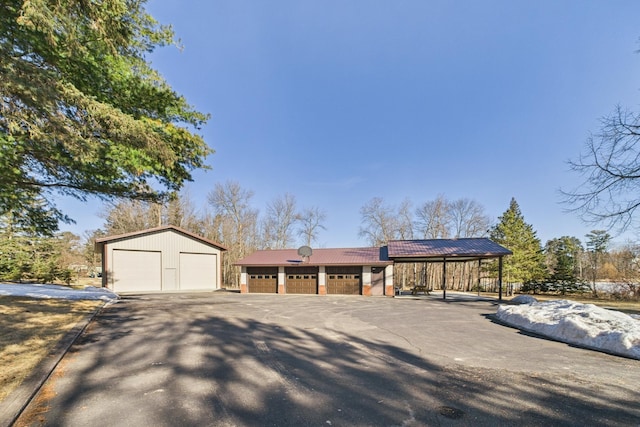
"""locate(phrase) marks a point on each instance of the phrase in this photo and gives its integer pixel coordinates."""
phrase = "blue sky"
(337, 102)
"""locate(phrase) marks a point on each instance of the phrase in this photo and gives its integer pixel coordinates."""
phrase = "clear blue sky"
(340, 101)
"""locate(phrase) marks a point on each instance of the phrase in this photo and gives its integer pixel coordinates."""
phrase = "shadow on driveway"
(239, 360)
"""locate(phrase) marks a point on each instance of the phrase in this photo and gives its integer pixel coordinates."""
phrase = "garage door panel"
(137, 271)
(263, 280)
(348, 286)
(302, 280)
(302, 284)
(198, 271)
(343, 280)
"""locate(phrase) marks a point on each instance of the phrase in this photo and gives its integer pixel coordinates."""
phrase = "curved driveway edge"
(293, 360)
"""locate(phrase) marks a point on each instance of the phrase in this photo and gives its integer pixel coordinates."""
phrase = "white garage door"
(198, 271)
(136, 271)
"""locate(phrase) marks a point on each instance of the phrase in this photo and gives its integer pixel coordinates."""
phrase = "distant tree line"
(563, 265)
(228, 218)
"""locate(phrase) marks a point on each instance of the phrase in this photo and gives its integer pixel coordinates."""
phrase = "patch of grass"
(31, 328)
(87, 281)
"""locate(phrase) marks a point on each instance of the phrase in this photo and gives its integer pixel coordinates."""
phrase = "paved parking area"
(226, 359)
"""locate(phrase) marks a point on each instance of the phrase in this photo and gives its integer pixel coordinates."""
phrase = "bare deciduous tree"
(441, 219)
(233, 224)
(135, 215)
(405, 220)
(468, 219)
(610, 166)
(181, 212)
(131, 215)
(433, 218)
(310, 223)
(626, 263)
(279, 223)
(379, 222)
(597, 244)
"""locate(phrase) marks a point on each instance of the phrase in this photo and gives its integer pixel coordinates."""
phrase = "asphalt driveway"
(226, 359)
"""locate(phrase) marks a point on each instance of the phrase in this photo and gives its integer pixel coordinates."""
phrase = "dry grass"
(31, 328)
(87, 281)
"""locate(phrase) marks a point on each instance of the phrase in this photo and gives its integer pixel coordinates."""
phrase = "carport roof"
(438, 250)
(290, 257)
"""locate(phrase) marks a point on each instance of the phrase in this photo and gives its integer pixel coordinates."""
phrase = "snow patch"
(523, 299)
(580, 324)
(57, 291)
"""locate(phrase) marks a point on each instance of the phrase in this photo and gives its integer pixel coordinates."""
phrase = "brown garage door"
(343, 280)
(263, 280)
(302, 280)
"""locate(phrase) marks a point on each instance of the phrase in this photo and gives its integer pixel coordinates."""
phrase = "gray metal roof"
(343, 256)
(440, 249)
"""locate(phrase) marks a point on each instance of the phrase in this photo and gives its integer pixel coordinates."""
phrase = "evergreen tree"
(82, 113)
(27, 255)
(527, 262)
(563, 263)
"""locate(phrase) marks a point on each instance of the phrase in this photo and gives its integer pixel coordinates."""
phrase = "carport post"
(479, 272)
(444, 278)
(500, 279)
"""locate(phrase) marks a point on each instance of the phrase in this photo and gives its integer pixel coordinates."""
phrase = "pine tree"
(527, 262)
(563, 256)
(83, 113)
(26, 255)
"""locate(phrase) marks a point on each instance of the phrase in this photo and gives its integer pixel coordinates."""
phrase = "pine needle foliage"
(527, 262)
(81, 111)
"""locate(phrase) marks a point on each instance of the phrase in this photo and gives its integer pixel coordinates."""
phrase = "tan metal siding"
(170, 244)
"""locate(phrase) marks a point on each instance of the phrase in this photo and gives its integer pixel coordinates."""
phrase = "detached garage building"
(350, 271)
(160, 259)
(358, 271)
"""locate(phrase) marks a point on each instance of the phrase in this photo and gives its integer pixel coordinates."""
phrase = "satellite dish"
(305, 251)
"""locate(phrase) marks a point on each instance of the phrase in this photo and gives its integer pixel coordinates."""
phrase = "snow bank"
(57, 291)
(580, 324)
(523, 299)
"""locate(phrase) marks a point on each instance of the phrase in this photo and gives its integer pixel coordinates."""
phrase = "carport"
(446, 251)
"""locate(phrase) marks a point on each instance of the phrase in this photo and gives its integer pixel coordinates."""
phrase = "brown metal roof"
(344, 256)
(440, 249)
(102, 240)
